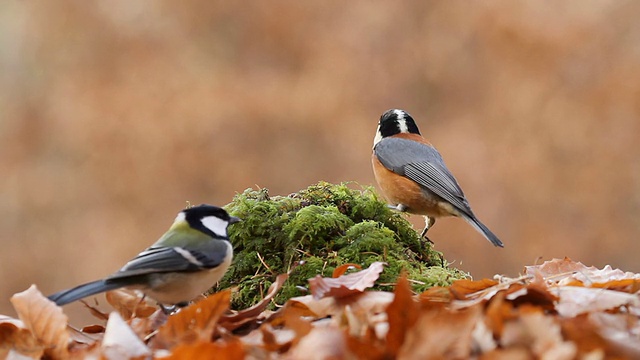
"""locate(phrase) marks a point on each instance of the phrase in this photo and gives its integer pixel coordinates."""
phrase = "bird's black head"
(209, 219)
(393, 122)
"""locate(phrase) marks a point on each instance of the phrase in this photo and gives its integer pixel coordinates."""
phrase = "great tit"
(413, 176)
(186, 261)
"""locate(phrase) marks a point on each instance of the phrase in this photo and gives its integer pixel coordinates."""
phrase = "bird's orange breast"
(399, 189)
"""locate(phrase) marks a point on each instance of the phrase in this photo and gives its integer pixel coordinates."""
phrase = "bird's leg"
(428, 223)
(399, 207)
(166, 309)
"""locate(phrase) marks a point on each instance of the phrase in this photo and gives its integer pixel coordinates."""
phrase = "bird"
(413, 176)
(184, 263)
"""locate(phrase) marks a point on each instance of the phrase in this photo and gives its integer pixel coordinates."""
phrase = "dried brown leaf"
(439, 294)
(340, 270)
(203, 350)
(294, 321)
(482, 337)
(441, 334)
(508, 354)
(346, 285)
(15, 336)
(620, 331)
(147, 325)
(293, 317)
(630, 286)
(231, 322)
(401, 315)
(532, 294)
(129, 304)
(556, 269)
(568, 272)
(194, 323)
(540, 333)
(276, 339)
(120, 342)
(592, 275)
(322, 343)
(291, 308)
(461, 289)
(44, 319)
(369, 301)
(582, 332)
(575, 300)
(367, 346)
(498, 312)
(95, 311)
(89, 334)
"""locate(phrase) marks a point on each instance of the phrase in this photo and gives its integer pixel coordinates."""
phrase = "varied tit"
(184, 263)
(413, 176)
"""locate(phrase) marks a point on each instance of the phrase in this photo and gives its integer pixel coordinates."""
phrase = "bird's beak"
(233, 219)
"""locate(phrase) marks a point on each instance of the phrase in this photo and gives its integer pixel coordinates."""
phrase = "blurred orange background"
(114, 114)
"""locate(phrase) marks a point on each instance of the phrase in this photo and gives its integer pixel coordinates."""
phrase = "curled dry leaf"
(14, 336)
(233, 321)
(370, 301)
(568, 272)
(582, 332)
(44, 319)
(401, 315)
(540, 333)
(88, 335)
(322, 343)
(620, 331)
(129, 304)
(464, 289)
(592, 275)
(340, 270)
(194, 323)
(436, 294)
(120, 342)
(555, 270)
(346, 285)
(204, 350)
(575, 300)
(292, 320)
(93, 310)
(440, 333)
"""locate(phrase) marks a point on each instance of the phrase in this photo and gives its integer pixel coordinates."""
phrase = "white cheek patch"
(378, 137)
(216, 225)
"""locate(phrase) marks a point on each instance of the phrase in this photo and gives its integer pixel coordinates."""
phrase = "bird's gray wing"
(424, 165)
(171, 259)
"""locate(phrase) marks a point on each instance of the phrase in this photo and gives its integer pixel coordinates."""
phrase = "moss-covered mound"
(325, 226)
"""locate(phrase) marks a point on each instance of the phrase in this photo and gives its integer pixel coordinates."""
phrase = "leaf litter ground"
(369, 306)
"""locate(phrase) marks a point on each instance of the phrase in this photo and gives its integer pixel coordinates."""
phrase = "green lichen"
(325, 226)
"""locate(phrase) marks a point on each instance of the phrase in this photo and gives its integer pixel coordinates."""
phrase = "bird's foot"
(170, 309)
(428, 240)
(428, 223)
(399, 207)
(167, 310)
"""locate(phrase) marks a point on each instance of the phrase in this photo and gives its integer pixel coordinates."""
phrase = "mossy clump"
(325, 226)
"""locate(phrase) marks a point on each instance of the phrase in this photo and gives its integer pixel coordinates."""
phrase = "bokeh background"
(113, 114)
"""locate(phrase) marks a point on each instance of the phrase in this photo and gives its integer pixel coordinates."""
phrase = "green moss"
(325, 226)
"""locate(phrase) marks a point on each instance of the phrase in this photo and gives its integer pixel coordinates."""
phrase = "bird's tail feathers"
(82, 291)
(483, 230)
